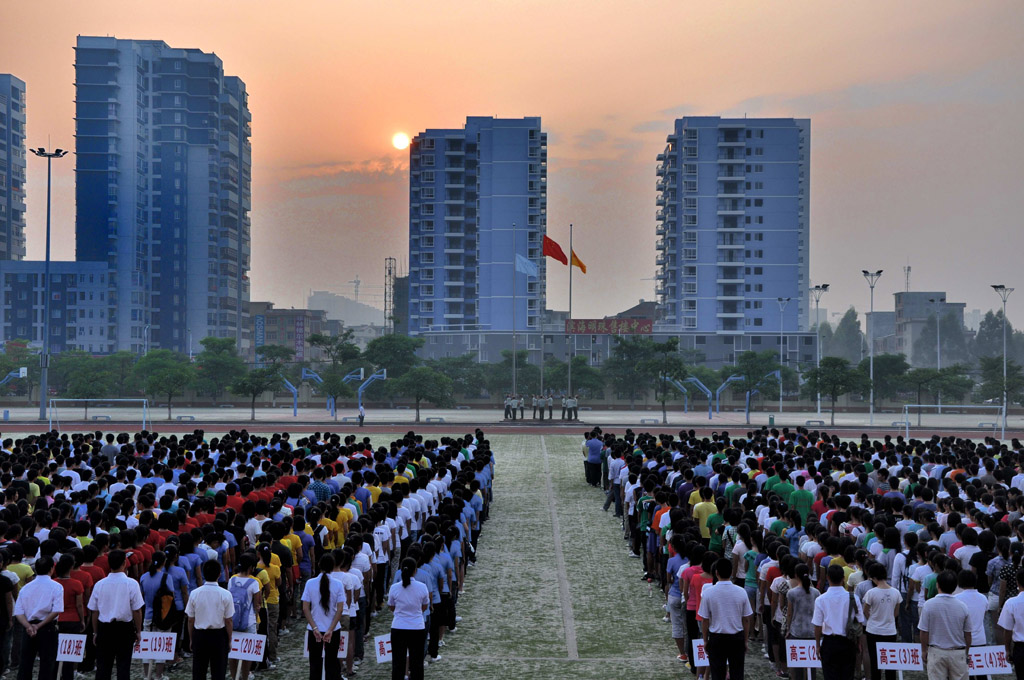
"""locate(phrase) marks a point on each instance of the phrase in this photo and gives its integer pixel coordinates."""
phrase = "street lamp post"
(938, 343)
(817, 292)
(782, 308)
(145, 343)
(1003, 293)
(872, 279)
(44, 359)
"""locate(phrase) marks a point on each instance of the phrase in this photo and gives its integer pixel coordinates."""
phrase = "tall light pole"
(44, 359)
(145, 343)
(817, 292)
(782, 308)
(872, 279)
(1003, 293)
(938, 342)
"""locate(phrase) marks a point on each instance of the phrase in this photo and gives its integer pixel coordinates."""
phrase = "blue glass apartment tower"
(472, 192)
(163, 190)
(733, 225)
(12, 168)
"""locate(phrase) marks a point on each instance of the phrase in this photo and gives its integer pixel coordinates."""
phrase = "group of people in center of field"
(113, 536)
(786, 534)
(540, 404)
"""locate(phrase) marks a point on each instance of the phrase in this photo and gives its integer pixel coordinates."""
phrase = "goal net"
(93, 413)
(985, 417)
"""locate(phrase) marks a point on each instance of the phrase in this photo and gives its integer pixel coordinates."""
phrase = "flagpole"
(572, 338)
(514, 367)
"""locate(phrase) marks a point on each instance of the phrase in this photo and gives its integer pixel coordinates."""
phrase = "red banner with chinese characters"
(609, 326)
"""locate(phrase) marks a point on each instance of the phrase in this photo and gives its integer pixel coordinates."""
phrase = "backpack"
(238, 586)
(163, 606)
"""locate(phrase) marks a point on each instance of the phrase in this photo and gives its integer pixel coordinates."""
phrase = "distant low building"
(344, 309)
(914, 309)
(288, 328)
(881, 329)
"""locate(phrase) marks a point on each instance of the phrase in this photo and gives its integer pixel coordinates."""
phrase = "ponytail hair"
(408, 569)
(804, 574)
(158, 561)
(263, 550)
(326, 565)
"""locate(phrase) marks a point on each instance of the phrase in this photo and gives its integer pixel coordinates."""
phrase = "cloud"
(678, 111)
(590, 138)
(663, 126)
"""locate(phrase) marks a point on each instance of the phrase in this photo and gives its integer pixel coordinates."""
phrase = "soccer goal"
(130, 411)
(957, 416)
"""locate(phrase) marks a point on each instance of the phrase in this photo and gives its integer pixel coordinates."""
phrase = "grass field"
(553, 595)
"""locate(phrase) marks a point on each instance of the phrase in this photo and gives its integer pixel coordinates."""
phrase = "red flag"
(552, 249)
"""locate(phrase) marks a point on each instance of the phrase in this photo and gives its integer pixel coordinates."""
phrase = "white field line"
(568, 619)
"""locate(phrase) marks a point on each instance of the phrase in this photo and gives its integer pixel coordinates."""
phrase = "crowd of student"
(242, 533)
(794, 534)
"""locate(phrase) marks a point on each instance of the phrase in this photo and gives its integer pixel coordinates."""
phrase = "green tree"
(586, 379)
(954, 383)
(423, 383)
(954, 343)
(890, 370)
(17, 354)
(339, 348)
(847, 339)
(499, 375)
(274, 355)
(217, 366)
(919, 381)
(988, 342)
(89, 378)
(164, 373)
(620, 369)
(254, 383)
(834, 378)
(754, 370)
(333, 386)
(396, 353)
(666, 365)
(825, 333)
(468, 376)
(992, 379)
(62, 364)
(120, 365)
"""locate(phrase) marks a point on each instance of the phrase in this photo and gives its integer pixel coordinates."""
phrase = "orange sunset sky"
(916, 108)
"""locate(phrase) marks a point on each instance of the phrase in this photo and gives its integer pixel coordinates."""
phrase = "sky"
(917, 147)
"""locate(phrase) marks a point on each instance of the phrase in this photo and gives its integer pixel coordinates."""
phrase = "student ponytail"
(326, 567)
(158, 561)
(804, 574)
(408, 569)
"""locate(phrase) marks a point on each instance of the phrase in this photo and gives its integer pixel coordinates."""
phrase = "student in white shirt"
(408, 600)
(322, 606)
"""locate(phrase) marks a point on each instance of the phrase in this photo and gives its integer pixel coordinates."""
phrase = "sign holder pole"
(60, 669)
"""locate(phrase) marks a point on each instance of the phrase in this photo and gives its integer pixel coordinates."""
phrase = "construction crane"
(355, 282)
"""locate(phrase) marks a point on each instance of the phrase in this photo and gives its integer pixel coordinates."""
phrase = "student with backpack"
(247, 597)
(156, 590)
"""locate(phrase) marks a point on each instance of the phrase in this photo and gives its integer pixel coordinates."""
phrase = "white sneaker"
(458, 619)
(435, 659)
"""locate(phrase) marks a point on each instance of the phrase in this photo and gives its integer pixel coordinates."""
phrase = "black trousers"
(726, 649)
(44, 645)
(75, 628)
(873, 641)
(438, 617)
(210, 650)
(409, 642)
(838, 655)
(325, 657)
(115, 642)
(1018, 659)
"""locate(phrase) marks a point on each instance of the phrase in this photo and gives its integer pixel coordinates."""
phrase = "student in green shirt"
(781, 524)
(714, 524)
(784, 488)
(801, 499)
(772, 480)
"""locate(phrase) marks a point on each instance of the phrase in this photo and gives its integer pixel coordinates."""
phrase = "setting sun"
(400, 140)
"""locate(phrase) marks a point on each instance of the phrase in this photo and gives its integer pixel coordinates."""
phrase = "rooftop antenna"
(356, 283)
(906, 276)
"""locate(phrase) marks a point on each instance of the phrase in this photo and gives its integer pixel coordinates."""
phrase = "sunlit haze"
(915, 108)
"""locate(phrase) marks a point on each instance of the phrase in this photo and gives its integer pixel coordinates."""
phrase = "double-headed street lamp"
(44, 358)
(817, 292)
(872, 279)
(1003, 293)
(782, 308)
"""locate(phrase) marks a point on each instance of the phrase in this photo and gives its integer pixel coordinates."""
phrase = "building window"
(427, 193)
(427, 275)
(427, 143)
(427, 306)
(427, 176)
(427, 242)
(427, 291)
(427, 225)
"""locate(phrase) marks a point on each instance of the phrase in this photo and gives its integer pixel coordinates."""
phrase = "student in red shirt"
(72, 619)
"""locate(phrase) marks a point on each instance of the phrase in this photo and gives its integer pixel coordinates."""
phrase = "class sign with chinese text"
(899, 656)
(991, 660)
(609, 326)
(802, 654)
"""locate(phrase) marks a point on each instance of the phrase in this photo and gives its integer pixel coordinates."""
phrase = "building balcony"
(731, 142)
(661, 244)
(724, 160)
(726, 298)
(730, 210)
(734, 279)
(660, 171)
(729, 315)
(729, 246)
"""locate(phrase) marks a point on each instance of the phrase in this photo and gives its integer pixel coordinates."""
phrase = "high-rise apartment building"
(477, 198)
(163, 190)
(733, 225)
(12, 168)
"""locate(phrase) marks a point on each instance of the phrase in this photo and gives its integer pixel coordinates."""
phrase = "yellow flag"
(577, 262)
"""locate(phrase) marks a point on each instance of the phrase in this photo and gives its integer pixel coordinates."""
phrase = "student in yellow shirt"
(272, 598)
